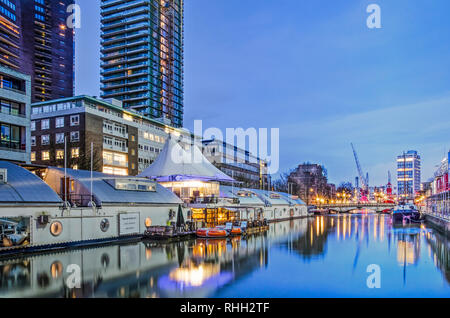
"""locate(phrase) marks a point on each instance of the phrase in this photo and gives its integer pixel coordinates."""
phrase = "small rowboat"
(212, 233)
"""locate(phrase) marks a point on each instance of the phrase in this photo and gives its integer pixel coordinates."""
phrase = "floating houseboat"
(406, 212)
(69, 208)
(188, 174)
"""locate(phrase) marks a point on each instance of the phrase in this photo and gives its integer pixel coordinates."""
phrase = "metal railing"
(79, 200)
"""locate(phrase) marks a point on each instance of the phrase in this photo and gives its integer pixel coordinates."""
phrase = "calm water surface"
(315, 257)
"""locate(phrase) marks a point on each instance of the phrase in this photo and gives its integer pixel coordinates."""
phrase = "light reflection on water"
(317, 257)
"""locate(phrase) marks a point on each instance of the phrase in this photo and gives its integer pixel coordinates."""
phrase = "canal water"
(323, 256)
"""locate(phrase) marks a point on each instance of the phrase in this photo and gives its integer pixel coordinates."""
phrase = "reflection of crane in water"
(365, 224)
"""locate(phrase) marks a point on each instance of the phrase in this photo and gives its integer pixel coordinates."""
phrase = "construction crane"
(362, 179)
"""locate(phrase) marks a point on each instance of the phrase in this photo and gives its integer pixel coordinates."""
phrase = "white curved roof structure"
(176, 164)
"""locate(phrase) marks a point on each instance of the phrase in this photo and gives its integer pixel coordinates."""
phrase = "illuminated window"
(75, 152)
(59, 154)
(33, 156)
(45, 155)
(75, 167)
(115, 171)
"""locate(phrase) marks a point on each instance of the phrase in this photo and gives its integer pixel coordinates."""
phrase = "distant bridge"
(347, 207)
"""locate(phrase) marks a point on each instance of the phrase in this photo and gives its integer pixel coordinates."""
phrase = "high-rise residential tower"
(408, 174)
(48, 48)
(37, 41)
(9, 34)
(142, 56)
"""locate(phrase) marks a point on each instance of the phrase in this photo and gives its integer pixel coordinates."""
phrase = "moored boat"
(319, 211)
(212, 233)
(236, 231)
(406, 212)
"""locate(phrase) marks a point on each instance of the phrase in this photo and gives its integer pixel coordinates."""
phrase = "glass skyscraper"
(142, 56)
(408, 174)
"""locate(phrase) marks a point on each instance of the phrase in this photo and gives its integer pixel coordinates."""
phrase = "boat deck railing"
(80, 200)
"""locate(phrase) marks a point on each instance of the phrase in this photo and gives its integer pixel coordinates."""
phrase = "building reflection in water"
(199, 268)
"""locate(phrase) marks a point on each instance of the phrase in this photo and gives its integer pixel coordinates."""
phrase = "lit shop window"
(75, 152)
(45, 155)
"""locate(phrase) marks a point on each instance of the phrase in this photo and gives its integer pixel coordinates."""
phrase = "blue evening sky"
(314, 70)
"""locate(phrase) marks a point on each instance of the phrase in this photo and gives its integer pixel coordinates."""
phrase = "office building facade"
(142, 56)
(408, 174)
(240, 164)
(15, 113)
(37, 41)
(124, 142)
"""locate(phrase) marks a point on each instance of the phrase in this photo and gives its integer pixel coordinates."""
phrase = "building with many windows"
(15, 102)
(36, 40)
(310, 181)
(142, 56)
(237, 163)
(124, 142)
(408, 174)
(10, 40)
(437, 190)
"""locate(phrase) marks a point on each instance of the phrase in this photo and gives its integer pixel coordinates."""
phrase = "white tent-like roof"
(176, 164)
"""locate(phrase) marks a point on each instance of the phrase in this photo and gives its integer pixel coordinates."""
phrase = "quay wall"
(441, 224)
